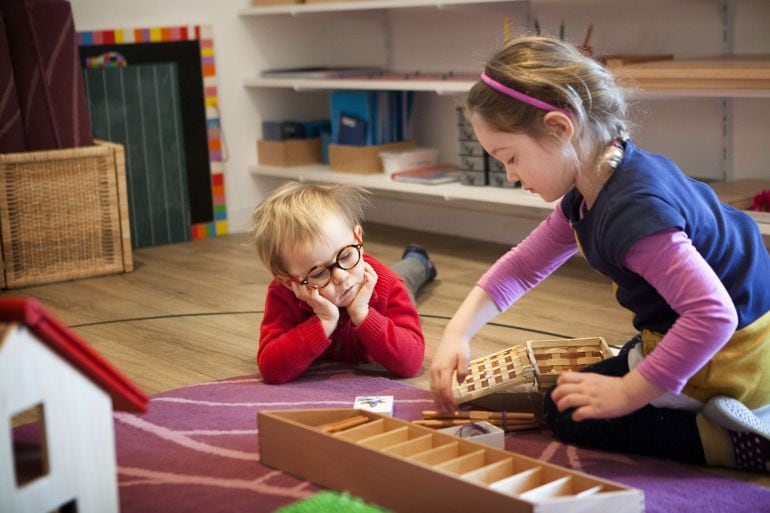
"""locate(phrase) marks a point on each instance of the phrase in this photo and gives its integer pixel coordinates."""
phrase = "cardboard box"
(363, 160)
(265, 3)
(293, 152)
(409, 468)
(740, 193)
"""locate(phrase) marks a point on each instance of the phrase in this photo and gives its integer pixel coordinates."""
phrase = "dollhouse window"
(30, 454)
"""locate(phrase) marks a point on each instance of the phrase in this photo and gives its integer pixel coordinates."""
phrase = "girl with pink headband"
(694, 384)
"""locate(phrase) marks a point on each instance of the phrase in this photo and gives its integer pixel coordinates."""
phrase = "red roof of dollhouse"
(59, 338)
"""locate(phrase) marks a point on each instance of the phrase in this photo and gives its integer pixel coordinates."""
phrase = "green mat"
(335, 502)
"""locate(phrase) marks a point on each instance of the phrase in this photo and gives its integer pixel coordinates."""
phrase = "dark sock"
(752, 452)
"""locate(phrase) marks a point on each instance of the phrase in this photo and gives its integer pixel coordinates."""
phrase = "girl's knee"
(558, 422)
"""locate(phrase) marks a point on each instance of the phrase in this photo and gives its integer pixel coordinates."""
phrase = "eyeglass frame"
(359, 246)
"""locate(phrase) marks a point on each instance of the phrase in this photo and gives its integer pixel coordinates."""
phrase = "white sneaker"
(749, 435)
(734, 415)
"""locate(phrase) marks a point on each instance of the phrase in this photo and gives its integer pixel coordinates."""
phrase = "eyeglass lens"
(346, 259)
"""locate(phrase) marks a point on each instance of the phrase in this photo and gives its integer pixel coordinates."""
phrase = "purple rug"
(196, 450)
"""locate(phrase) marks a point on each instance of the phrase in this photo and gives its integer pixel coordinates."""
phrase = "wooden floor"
(190, 312)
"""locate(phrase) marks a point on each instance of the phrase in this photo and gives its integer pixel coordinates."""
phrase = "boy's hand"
(322, 307)
(358, 309)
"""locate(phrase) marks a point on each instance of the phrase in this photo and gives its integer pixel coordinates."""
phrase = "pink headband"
(497, 86)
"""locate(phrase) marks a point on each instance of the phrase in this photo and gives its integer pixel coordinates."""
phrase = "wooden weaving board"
(551, 357)
(409, 468)
(495, 372)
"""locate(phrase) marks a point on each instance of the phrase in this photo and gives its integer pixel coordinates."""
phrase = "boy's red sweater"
(292, 337)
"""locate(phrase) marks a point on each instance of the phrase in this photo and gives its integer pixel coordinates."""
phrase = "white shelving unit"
(723, 77)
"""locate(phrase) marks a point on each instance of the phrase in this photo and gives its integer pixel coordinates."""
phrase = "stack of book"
(436, 174)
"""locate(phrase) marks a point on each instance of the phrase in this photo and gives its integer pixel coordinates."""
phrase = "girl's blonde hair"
(557, 73)
(293, 215)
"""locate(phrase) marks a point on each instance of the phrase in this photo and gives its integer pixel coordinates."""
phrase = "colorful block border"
(204, 35)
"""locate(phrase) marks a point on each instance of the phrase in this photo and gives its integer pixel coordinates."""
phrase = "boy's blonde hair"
(557, 73)
(293, 214)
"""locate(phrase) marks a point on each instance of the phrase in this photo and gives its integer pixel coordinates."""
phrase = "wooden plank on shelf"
(740, 193)
(732, 73)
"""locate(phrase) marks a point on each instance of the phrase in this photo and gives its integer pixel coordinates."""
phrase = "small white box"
(394, 161)
(481, 431)
(376, 403)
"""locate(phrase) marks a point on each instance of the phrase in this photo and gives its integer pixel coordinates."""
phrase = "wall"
(460, 38)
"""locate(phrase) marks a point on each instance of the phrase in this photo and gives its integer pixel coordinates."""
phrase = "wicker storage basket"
(63, 215)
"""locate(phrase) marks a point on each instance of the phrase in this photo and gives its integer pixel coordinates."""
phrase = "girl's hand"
(452, 356)
(322, 307)
(358, 309)
(595, 396)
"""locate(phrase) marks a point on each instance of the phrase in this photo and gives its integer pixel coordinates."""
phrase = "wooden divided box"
(63, 215)
(410, 468)
(551, 357)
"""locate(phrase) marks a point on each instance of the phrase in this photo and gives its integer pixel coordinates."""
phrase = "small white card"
(376, 403)
(479, 431)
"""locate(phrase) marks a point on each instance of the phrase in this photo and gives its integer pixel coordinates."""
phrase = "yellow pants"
(741, 369)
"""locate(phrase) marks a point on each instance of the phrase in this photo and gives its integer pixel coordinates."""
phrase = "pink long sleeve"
(527, 264)
(707, 316)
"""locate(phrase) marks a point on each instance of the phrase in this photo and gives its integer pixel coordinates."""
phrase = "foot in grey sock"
(417, 251)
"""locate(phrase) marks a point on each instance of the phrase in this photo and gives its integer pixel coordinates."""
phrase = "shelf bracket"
(728, 20)
(387, 36)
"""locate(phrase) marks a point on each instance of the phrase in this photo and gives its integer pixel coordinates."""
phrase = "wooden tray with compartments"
(410, 468)
(551, 357)
(495, 372)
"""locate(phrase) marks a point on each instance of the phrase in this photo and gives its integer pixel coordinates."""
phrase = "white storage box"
(394, 161)
(481, 431)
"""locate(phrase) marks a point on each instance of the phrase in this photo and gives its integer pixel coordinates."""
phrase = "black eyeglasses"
(320, 276)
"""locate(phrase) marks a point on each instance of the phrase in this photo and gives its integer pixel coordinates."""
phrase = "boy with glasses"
(329, 299)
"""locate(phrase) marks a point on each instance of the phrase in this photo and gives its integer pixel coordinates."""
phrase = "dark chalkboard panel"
(187, 57)
(139, 107)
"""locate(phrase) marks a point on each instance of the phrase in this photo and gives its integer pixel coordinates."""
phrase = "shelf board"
(370, 5)
(725, 77)
(734, 76)
(449, 86)
(516, 202)
(513, 202)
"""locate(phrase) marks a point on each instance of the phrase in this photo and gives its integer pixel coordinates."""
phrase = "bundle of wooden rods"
(507, 421)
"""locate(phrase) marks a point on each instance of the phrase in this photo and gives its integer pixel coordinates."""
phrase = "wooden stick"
(343, 424)
(479, 415)
(508, 426)
(496, 422)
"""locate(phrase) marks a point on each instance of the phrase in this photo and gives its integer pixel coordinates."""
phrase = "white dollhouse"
(65, 459)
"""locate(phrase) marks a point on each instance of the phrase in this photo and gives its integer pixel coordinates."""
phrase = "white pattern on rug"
(153, 477)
